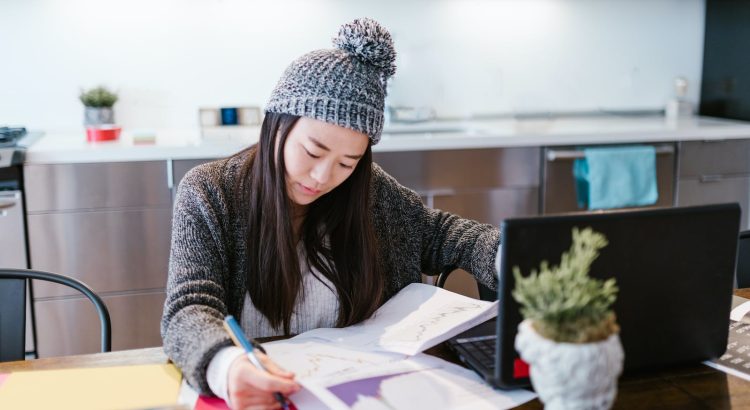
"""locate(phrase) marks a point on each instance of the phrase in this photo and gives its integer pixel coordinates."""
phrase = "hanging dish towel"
(616, 177)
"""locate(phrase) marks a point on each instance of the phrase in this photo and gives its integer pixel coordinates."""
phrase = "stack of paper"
(378, 363)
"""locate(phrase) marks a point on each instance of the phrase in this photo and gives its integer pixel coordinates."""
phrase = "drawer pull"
(7, 204)
(554, 154)
(428, 193)
(711, 178)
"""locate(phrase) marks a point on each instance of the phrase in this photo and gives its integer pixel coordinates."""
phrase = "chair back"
(12, 319)
(743, 260)
(13, 309)
(485, 293)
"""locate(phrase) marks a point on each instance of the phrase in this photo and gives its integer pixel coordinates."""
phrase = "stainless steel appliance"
(13, 249)
(13, 239)
(558, 190)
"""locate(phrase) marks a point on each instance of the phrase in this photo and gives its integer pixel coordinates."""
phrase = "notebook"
(674, 268)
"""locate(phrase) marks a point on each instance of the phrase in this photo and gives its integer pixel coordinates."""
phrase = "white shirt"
(317, 306)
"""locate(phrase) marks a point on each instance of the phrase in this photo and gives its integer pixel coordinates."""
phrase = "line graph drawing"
(317, 364)
(425, 326)
(310, 360)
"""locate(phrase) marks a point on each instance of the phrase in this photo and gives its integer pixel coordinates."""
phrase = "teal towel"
(616, 177)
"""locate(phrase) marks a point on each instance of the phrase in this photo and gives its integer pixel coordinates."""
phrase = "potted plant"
(98, 102)
(569, 336)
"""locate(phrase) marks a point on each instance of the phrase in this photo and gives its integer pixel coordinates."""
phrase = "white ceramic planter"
(571, 375)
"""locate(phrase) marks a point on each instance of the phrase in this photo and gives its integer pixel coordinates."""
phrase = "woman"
(303, 230)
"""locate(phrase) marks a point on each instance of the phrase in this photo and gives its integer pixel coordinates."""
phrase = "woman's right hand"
(253, 388)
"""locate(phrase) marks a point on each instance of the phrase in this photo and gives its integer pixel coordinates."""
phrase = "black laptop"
(674, 268)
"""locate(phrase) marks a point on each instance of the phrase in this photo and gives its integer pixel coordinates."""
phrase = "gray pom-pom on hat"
(346, 85)
(370, 42)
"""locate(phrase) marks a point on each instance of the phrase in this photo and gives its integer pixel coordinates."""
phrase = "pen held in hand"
(239, 339)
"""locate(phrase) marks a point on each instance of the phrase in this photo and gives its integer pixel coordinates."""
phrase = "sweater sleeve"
(191, 325)
(445, 240)
(449, 241)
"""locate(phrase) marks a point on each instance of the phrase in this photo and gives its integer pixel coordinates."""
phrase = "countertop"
(71, 146)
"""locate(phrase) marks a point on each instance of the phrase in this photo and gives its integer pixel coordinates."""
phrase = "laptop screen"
(674, 268)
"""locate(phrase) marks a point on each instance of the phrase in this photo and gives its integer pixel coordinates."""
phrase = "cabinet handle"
(555, 154)
(7, 204)
(170, 174)
(9, 199)
(711, 178)
(438, 192)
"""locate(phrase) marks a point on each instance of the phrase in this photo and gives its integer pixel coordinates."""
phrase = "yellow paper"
(122, 387)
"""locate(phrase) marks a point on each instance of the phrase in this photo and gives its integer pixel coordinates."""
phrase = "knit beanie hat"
(346, 85)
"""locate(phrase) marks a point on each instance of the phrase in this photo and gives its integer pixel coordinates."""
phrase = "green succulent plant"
(98, 97)
(563, 302)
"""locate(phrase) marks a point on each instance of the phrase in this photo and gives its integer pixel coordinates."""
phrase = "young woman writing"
(303, 230)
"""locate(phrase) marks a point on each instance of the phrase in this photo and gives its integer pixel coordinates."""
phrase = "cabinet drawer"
(714, 157)
(467, 169)
(182, 166)
(108, 250)
(102, 185)
(71, 326)
(697, 192)
(491, 207)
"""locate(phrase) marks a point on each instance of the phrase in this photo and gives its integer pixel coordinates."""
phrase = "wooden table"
(687, 387)
(151, 355)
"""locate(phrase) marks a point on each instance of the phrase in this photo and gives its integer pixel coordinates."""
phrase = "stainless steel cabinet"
(109, 225)
(13, 253)
(487, 185)
(492, 205)
(714, 172)
(71, 326)
(718, 157)
(110, 250)
(63, 187)
(181, 167)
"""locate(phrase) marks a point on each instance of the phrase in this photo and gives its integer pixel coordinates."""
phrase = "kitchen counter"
(71, 147)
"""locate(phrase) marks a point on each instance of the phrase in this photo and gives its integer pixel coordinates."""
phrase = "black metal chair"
(13, 309)
(485, 293)
(743, 260)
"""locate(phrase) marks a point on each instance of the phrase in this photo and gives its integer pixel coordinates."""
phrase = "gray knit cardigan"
(206, 276)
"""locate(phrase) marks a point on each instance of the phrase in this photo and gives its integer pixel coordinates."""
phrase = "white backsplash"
(167, 58)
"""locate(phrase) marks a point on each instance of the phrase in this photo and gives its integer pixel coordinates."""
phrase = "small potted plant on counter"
(569, 336)
(98, 102)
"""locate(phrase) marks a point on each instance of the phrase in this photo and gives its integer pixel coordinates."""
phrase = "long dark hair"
(337, 233)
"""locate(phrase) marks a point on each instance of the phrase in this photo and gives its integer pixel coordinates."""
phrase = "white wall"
(169, 57)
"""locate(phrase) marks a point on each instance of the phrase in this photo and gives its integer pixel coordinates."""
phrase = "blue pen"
(235, 332)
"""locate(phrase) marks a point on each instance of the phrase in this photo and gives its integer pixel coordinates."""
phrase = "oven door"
(559, 191)
(12, 231)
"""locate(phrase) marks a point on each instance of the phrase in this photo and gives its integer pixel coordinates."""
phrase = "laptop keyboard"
(481, 348)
